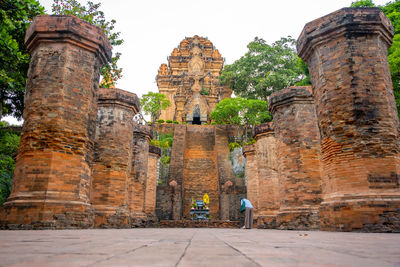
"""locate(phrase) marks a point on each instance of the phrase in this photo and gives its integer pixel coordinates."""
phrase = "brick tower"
(346, 52)
(298, 152)
(52, 173)
(113, 157)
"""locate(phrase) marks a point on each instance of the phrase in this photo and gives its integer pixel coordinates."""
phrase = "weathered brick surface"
(151, 181)
(249, 152)
(52, 174)
(347, 56)
(298, 152)
(138, 175)
(113, 154)
(200, 164)
(176, 170)
(232, 188)
(200, 173)
(268, 181)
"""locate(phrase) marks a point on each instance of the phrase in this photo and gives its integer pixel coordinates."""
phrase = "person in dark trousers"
(248, 215)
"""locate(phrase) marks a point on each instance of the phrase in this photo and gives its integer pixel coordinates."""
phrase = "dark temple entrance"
(196, 120)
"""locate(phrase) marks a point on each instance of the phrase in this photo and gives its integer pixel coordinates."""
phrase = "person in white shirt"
(248, 216)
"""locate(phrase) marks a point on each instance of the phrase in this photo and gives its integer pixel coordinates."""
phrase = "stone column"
(298, 152)
(249, 152)
(268, 182)
(151, 181)
(138, 176)
(346, 52)
(52, 173)
(179, 103)
(113, 153)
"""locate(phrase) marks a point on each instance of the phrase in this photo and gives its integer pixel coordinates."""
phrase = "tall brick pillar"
(346, 52)
(249, 152)
(298, 152)
(52, 173)
(137, 179)
(151, 181)
(113, 154)
(268, 182)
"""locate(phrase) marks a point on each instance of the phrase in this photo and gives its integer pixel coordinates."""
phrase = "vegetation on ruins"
(15, 17)
(363, 3)
(392, 11)
(152, 104)
(91, 13)
(9, 141)
(265, 69)
(241, 111)
(164, 141)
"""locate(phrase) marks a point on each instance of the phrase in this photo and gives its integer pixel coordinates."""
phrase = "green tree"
(9, 141)
(264, 69)
(392, 11)
(91, 13)
(362, 3)
(15, 17)
(241, 111)
(153, 103)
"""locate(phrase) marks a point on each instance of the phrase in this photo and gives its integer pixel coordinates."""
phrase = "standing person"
(248, 216)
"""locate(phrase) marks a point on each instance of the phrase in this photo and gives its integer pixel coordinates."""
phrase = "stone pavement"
(196, 247)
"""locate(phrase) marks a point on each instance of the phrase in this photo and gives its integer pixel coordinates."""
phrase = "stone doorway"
(196, 120)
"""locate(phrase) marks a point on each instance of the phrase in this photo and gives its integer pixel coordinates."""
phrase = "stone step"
(199, 224)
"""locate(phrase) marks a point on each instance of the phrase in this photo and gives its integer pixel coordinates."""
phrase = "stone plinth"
(137, 178)
(249, 152)
(298, 152)
(346, 52)
(151, 181)
(268, 182)
(113, 154)
(52, 173)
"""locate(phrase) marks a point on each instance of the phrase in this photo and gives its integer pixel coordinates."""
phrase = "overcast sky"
(151, 29)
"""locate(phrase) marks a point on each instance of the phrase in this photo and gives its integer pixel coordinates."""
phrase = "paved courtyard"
(197, 247)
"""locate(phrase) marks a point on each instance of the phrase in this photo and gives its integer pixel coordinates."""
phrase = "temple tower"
(53, 169)
(346, 52)
(190, 81)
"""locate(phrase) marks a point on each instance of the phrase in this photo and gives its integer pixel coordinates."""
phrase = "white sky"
(151, 29)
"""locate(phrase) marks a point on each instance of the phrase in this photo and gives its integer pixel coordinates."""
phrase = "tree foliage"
(392, 11)
(153, 103)
(362, 3)
(264, 69)
(9, 141)
(15, 17)
(241, 111)
(91, 13)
